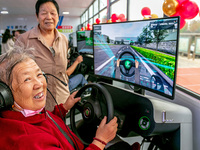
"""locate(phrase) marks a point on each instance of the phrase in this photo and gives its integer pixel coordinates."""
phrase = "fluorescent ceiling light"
(65, 13)
(4, 12)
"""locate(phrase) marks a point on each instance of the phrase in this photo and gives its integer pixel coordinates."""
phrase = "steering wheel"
(72, 59)
(156, 83)
(128, 65)
(93, 107)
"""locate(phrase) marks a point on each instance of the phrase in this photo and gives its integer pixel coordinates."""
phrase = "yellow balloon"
(146, 18)
(154, 16)
(109, 21)
(169, 7)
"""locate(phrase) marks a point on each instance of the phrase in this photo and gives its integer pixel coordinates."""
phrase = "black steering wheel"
(94, 105)
(156, 83)
(128, 68)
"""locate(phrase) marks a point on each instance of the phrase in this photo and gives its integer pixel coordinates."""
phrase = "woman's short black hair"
(40, 2)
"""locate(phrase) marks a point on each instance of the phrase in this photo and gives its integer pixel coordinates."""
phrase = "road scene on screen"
(85, 42)
(142, 53)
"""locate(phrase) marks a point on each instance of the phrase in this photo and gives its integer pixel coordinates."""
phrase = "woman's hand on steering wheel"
(79, 59)
(71, 101)
(107, 131)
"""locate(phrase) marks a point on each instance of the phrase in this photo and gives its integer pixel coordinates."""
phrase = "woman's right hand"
(69, 103)
(106, 132)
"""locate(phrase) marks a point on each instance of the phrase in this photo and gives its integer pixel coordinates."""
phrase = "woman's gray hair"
(10, 59)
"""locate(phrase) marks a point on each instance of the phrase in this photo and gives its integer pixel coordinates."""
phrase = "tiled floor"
(188, 74)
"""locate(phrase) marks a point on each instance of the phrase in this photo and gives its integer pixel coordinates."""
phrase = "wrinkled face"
(29, 86)
(47, 16)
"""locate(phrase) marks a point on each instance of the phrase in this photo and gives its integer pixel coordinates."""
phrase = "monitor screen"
(70, 43)
(141, 53)
(85, 41)
(72, 40)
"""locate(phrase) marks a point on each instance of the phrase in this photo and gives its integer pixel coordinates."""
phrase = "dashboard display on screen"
(142, 53)
(85, 42)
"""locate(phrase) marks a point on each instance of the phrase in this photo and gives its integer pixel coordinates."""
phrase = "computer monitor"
(72, 40)
(142, 53)
(85, 41)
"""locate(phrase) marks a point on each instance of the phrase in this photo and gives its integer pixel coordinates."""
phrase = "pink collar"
(28, 113)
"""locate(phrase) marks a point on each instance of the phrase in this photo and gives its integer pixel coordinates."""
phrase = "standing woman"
(50, 49)
(7, 41)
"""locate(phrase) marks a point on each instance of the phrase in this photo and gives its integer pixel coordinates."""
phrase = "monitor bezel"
(137, 85)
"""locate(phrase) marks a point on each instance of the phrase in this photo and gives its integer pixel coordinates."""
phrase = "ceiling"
(27, 7)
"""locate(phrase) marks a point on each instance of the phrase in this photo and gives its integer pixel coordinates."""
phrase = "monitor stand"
(139, 90)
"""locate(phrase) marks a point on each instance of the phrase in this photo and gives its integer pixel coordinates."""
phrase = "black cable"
(76, 145)
(56, 78)
(56, 104)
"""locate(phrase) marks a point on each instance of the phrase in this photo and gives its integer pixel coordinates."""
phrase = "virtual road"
(105, 63)
(83, 48)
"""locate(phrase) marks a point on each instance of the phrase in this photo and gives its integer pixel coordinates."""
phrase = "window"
(103, 16)
(103, 4)
(86, 15)
(119, 7)
(189, 56)
(91, 21)
(91, 11)
(96, 7)
(95, 17)
(136, 6)
(83, 18)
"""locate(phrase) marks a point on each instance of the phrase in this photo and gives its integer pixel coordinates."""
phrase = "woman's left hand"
(69, 103)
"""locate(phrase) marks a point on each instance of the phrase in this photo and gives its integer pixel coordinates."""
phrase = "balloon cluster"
(88, 27)
(186, 9)
(146, 13)
(117, 18)
(114, 18)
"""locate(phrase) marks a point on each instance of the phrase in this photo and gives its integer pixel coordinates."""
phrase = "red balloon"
(182, 20)
(121, 17)
(182, 23)
(188, 9)
(181, 1)
(97, 20)
(114, 18)
(145, 11)
(88, 25)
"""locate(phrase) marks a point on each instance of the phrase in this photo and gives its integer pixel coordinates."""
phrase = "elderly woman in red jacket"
(27, 125)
